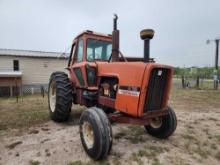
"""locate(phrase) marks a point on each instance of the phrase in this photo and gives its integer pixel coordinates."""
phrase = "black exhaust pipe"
(115, 40)
(147, 35)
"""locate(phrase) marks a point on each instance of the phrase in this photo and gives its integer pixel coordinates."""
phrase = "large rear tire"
(59, 96)
(95, 133)
(163, 127)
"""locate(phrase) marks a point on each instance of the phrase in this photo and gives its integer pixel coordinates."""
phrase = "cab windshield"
(98, 50)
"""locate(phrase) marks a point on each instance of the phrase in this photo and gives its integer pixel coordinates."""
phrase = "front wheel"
(95, 133)
(163, 127)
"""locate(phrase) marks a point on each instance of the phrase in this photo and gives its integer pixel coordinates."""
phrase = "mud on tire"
(95, 133)
(59, 96)
(167, 128)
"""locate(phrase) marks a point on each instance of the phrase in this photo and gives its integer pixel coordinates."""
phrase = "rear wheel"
(95, 133)
(163, 127)
(59, 96)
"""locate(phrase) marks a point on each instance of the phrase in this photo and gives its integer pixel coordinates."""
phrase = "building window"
(16, 65)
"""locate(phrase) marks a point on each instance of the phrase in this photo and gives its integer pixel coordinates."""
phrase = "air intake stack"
(115, 40)
(147, 35)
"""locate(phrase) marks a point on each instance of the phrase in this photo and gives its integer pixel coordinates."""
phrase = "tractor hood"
(128, 73)
(134, 81)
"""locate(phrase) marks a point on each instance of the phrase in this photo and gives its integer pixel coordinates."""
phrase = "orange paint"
(131, 74)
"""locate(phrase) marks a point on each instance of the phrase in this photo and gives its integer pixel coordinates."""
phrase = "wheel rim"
(156, 122)
(88, 134)
(52, 96)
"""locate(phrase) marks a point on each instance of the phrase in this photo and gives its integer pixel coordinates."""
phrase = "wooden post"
(183, 82)
(11, 90)
(16, 89)
(216, 66)
(197, 82)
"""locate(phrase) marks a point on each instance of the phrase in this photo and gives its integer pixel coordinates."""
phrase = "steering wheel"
(92, 57)
(110, 58)
(120, 54)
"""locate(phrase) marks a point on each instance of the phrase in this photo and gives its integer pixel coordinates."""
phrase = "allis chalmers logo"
(129, 92)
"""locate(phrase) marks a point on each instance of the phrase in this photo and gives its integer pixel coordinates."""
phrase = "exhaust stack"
(147, 35)
(115, 40)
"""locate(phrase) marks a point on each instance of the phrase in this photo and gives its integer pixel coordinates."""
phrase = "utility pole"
(215, 73)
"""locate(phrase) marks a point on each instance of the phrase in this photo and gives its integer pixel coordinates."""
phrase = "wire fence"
(25, 90)
(193, 82)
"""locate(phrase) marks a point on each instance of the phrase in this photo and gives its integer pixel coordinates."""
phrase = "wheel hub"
(88, 134)
(52, 96)
(156, 122)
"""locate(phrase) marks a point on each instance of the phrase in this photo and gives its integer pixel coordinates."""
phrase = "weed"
(213, 146)
(116, 161)
(77, 162)
(92, 162)
(217, 138)
(187, 146)
(156, 162)
(131, 133)
(142, 153)
(201, 151)
(117, 154)
(134, 157)
(189, 137)
(120, 135)
(217, 155)
(34, 162)
(135, 134)
(205, 143)
(150, 152)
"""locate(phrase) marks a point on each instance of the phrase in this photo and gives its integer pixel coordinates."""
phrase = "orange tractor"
(113, 88)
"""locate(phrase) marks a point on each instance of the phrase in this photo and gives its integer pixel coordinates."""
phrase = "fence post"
(42, 91)
(183, 82)
(197, 82)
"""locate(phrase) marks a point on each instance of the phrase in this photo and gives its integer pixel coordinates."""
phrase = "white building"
(28, 71)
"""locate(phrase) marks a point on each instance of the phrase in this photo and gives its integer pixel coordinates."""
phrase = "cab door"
(83, 72)
(76, 68)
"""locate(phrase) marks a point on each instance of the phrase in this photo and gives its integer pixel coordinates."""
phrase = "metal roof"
(11, 74)
(31, 53)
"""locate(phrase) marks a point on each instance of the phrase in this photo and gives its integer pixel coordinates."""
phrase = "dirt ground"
(196, 140)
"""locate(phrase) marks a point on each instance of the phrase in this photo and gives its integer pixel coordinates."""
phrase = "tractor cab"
(88, 48)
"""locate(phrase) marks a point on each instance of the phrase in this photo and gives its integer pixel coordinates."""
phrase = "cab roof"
(89, 32)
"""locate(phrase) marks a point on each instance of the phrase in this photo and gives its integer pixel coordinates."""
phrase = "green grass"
(151, 152)
(191, 99)
(133, 133)
(26, 112)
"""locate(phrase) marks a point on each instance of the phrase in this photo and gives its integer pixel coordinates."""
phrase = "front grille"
(156, 89)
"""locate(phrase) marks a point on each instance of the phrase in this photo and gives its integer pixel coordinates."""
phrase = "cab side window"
(79, 55)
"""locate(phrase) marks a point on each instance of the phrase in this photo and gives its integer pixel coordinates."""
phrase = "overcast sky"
(181, 26)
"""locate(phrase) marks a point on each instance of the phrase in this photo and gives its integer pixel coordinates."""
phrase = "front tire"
(95, 133)
(163, 127)
(59, 96)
